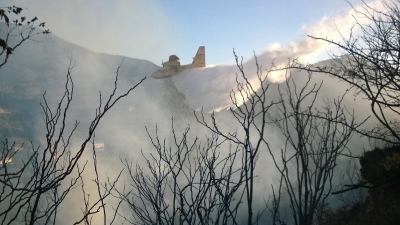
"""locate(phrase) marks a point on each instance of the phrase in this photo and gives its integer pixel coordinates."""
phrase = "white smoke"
(209, 88)
(133, 28)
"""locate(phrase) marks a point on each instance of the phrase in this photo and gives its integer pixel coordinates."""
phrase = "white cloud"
(334, 28)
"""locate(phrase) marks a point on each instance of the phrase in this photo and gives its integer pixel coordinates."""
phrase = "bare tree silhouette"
(369, 61)
(314, 140)
(36, 183)
(15, 30)
(185, 182)
(250, 108)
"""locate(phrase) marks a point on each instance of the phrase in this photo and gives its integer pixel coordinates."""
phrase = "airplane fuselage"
(173, 65)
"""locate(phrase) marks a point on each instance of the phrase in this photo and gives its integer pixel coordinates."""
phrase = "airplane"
(173, 66)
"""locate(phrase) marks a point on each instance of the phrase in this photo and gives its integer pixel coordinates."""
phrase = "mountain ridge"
(42, 66)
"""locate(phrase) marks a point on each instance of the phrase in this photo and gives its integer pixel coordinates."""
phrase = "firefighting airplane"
(173, 66)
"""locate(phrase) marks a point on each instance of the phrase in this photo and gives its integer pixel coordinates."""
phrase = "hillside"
(41, 66)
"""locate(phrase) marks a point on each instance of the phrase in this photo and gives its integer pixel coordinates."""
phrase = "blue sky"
(246, 26)
(153, 29)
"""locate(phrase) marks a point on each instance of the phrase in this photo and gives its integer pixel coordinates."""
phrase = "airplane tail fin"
(199, 59)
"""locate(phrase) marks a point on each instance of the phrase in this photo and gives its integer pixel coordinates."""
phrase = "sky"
(154, 29)
(246, 26)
